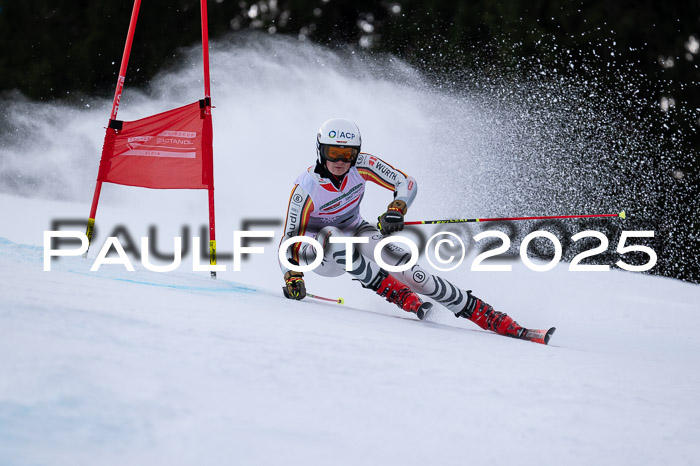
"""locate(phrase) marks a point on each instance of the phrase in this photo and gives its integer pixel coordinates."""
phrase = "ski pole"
(339, 300)
(622, 215)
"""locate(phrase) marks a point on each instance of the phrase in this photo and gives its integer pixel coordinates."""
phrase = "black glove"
(294, 285)
(392, 220)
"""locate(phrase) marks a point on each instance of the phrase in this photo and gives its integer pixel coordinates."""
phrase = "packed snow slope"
(115, 367)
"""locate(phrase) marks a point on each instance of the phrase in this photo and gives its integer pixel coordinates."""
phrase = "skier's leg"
(484, 315)
(364, 270)
(461, 303)
(334, 256)
(327, 267)
(420, 280)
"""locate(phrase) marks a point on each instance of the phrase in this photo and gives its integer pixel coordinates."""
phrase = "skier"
(326, 201)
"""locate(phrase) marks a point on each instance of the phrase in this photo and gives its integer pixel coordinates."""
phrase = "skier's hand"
(294, 285)
(392, 220)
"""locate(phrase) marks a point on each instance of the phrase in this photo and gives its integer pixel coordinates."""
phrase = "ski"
(538, 336)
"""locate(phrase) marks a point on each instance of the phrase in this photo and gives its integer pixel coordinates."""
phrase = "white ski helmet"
(338, 133)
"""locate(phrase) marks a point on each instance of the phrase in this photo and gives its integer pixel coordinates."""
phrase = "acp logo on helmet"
(342, 135)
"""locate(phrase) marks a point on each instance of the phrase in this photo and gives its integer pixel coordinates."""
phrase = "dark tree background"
(55, 49)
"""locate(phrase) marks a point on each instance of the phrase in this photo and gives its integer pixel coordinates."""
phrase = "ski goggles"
(339, 154)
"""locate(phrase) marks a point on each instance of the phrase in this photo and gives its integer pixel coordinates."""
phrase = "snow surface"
(115, 367)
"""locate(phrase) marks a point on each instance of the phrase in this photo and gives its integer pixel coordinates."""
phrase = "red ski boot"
(396, 292)
(483, 315)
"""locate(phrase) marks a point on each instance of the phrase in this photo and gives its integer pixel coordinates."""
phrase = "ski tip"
(423, 310)
(549, 334)
(622, 215)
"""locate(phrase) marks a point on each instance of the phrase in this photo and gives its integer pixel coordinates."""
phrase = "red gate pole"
(205, 48)
(113, 113)
(208, 149)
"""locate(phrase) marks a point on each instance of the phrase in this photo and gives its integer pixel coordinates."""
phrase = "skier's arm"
(298, 212)
(405, 188)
